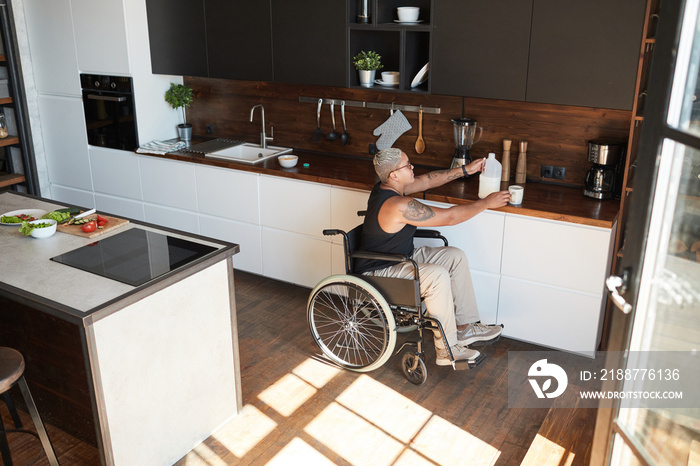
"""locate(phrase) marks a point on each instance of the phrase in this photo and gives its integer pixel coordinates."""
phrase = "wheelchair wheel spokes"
(351, 323)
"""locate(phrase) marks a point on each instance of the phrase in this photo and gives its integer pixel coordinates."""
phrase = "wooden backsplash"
(557, 135)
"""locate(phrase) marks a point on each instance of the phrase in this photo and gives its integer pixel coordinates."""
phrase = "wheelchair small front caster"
(414, 368)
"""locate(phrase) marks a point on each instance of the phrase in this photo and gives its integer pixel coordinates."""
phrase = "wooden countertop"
(542, 200)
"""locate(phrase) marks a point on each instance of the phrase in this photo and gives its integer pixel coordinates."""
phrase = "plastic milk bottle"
(490, 178)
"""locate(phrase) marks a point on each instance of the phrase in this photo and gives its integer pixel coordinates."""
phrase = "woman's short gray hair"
(386, 161)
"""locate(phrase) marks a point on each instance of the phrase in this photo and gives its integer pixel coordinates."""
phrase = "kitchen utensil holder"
(380, 105)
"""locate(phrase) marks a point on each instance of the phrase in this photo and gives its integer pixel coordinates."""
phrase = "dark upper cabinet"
(176, 30)
(585, 52)
(480, 48)
(239, 39)
(309, 42)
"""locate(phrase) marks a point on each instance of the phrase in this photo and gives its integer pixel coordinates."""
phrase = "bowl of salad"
(42, 228)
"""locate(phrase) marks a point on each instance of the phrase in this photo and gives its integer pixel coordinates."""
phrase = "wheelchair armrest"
(332, 232)
(421, 233)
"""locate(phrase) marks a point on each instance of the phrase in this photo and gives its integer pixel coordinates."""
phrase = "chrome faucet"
(263, 137)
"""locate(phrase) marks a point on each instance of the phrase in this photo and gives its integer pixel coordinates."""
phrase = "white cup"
(516, 194)
(390, 77)
(408, 13)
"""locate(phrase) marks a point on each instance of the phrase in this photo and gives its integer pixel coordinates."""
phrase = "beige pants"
(445, 284)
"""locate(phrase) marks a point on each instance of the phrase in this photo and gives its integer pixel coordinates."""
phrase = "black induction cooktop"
(134, 256)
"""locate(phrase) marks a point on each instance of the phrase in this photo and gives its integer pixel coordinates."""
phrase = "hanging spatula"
(318, 134)
(420, 145)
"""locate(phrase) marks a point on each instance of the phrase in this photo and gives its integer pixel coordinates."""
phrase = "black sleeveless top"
(377, 240)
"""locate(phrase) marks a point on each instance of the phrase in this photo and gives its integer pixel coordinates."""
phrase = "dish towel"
(161, 147)
(391, 130)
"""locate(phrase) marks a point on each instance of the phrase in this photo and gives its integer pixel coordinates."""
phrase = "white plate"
(382, 83)
(36, 213)
(408, 22)
(421, 76)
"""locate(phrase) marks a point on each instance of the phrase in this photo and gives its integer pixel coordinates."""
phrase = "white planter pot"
(367, 77)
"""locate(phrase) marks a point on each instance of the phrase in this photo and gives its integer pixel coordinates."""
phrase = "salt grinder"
(505, 174)
(521, 168)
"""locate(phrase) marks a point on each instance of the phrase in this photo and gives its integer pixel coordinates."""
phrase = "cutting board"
(112, 224)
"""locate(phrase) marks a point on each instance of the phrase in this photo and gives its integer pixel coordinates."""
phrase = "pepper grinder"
(505, 174)
(521, 168)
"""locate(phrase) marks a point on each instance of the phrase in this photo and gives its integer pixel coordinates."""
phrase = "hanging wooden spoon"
(420, 145)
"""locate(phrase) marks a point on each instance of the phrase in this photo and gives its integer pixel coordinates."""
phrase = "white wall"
(59, 39)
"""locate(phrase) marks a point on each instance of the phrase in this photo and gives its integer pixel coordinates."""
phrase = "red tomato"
(100, 218)
(101, 223)
(89, 227)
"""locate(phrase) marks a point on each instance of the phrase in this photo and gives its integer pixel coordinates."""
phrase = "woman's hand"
(476, 166)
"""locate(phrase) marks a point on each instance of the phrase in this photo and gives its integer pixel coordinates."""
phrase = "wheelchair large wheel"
(351, 322)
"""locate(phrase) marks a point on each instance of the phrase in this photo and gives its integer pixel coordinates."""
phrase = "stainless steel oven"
(109, 111)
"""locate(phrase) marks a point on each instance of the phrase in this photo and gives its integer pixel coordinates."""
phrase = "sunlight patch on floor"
(544, 451)
(385, 408)
(352, 437)
(299, 452)
(202, 455)
(315, 372)
(245, 431)
(287, 394)
(444, 443)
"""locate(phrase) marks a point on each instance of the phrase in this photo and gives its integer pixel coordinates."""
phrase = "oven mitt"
(391, 130)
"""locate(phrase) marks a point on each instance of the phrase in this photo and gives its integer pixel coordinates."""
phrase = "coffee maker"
(603, 179)
(464, 130)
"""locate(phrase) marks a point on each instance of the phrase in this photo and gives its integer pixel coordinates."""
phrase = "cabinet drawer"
(486, 287)
(295, 206)
(115, 172)
(246, 235)
(171, 218)
(227, 193)
(549, 316)
(345, 203)
(295, 258)
(556, 253)
(168, 182)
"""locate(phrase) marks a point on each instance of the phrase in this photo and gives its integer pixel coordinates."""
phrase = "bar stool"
(11, 371)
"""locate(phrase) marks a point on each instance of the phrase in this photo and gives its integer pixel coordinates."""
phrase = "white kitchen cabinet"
(295, 206)
(72, 196)
(171, 218)
(486, 288)
(345, 203)
(246, 235)
(231, 194)
(556, 253)
(65, 141)
(168, 183)
(52, 44)
(295, 258)
(550, 316)
(119, 206)
(115, 172)
(100, 36)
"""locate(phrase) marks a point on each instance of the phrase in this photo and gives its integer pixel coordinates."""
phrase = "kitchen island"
(142, 372)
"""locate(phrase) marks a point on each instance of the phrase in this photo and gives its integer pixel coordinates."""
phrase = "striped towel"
(161, 147)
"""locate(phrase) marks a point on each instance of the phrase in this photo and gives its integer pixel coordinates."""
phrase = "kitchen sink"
(248, 153)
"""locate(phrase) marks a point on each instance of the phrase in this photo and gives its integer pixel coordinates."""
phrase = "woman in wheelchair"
(445, 282)
(390, 286)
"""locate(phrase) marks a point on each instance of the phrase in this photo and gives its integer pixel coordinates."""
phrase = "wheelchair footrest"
(464, 365)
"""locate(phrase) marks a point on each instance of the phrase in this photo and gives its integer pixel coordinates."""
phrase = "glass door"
(657, 284)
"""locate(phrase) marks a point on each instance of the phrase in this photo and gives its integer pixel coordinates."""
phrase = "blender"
(464, 130)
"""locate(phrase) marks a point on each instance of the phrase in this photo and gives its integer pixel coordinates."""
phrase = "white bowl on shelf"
(288, 160)
(408, 14)
(44, 232)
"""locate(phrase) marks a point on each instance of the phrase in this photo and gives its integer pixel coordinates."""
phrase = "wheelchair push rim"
(351, 322)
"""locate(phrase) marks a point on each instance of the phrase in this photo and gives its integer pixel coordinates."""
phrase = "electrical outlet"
(209, 128)
(558, 173)
(546, 171)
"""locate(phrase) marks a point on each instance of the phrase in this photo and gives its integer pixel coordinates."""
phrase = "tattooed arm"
(401, 210)
(439, 177)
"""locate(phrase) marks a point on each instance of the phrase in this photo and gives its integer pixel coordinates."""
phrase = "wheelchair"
(355, 318)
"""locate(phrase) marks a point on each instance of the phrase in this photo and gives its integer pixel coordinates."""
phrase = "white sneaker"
(459, 352)
(478, 332)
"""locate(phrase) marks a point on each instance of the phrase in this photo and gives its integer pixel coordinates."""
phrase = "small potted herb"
(367, 63)
(180, 96)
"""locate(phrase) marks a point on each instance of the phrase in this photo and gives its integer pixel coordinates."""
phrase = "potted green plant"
(180, 96)
(367, 63)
